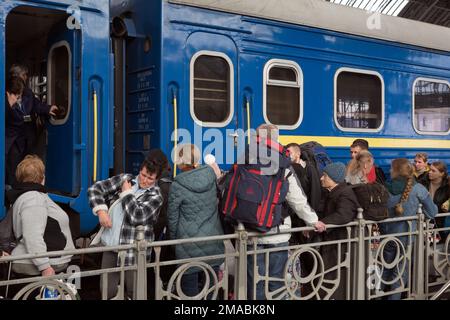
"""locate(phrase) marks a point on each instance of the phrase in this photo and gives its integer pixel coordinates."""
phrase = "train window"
(431, 106)
(212, 82)
(359, 100)
(283, 99)
(59, 80)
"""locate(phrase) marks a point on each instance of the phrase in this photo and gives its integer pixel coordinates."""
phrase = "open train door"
(64, 130)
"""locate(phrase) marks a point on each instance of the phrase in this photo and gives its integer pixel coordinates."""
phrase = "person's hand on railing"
(53, 110)
(48, 272)
(104, 219)
(320, 226)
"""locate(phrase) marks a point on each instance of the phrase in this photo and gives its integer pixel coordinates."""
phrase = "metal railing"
(358, 265)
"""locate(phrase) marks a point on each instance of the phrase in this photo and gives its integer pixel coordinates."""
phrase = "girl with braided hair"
(404, 200)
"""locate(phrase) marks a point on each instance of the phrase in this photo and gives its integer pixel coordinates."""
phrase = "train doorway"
(40, 40)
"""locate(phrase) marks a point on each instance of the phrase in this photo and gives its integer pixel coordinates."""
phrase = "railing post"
(360, 289)
(141, 262)
(241, 265)
(420, 254)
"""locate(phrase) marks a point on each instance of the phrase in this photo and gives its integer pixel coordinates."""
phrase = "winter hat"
(336, 171)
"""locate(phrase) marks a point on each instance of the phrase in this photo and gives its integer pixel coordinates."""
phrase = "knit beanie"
(336, 171)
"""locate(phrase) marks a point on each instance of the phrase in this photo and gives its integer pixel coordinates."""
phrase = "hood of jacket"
(198, 180)
(21, 188)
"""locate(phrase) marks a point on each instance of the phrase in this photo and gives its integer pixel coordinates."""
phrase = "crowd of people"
(189, 205)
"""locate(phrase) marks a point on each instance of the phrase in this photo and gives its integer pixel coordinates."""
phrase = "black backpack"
(314, 153)
(7, 239)
(373, 198)
(53, 236)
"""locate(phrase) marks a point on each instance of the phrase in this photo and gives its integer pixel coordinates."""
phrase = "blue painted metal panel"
(143, 84)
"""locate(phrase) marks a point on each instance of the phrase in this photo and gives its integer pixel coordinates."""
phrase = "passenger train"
(139, 74)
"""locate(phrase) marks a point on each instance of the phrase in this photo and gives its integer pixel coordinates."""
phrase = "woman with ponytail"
(405, 197)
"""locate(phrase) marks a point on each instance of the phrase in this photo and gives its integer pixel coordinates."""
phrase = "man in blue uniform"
(20, 123)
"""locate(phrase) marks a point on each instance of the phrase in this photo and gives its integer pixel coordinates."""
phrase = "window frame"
(414, 106)
(194, 58)
(57, 45)
(383, 106)
(282, 63)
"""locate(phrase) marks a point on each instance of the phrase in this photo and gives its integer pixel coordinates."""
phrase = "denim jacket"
(418, 195)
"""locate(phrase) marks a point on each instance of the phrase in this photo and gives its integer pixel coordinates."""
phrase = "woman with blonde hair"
(192, 212)
(39, 224)
(404, 200)
(362, 169)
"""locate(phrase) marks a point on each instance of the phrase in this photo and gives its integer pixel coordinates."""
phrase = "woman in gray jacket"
(193, 213)
(39, 224)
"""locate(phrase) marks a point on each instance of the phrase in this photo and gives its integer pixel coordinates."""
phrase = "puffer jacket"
(192, 212)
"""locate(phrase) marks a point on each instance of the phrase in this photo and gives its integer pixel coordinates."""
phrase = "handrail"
(94, 175)
(175, 130)
(247, 103)
(441, 291)
(356, 246)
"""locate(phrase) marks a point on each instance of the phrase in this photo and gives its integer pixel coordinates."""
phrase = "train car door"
(212, 113)
(64, 131)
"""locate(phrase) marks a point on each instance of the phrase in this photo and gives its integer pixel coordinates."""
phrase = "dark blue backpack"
(314, 153)
(253, 198)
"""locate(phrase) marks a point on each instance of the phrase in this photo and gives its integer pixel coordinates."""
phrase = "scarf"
(372, 176)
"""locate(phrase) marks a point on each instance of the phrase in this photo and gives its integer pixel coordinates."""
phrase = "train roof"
(329, 16)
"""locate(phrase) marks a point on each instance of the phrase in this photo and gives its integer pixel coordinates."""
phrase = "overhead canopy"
(330, 16)
(431, 11)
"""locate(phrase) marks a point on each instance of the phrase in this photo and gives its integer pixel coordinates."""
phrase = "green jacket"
(193, 213)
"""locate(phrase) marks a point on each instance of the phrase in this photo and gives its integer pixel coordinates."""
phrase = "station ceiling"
(430, 11)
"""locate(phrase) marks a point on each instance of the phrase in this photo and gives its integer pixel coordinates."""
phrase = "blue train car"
(66, 47)
(140, 74)
(317, 70)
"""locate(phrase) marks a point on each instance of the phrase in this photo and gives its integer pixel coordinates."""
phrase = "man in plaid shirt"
(122, 203)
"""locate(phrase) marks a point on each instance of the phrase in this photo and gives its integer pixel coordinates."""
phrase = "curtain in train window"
(359, 99)
(432, 106)
(211, 89)
(283, 96)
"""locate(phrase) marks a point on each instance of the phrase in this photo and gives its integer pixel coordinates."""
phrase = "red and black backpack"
(252, 196)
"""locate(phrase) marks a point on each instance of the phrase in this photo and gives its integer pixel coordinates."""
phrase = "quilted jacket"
(193, 213)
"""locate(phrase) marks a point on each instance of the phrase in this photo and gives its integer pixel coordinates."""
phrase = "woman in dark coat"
(340, 207)
(438, 185)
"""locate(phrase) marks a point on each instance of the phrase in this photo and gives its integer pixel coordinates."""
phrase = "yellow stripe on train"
(373, 142)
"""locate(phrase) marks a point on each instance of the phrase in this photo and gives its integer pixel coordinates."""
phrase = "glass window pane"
(359, 100)
(283, 74)
(59, 81)
(211, 89)
(432, 106)
(283, 105)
